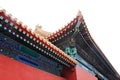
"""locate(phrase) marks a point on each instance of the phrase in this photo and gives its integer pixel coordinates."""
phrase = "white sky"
(101, 16)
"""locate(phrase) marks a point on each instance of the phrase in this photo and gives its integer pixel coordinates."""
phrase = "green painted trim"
(30, 52)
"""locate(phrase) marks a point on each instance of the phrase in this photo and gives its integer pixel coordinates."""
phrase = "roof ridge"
(78, 17)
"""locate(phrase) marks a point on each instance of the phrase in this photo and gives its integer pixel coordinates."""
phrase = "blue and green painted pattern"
(23, 54)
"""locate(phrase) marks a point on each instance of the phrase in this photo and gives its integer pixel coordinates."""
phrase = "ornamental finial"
(2, 10)
(79, 15)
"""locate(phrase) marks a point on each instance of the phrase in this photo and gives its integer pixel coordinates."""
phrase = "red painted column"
(69, 74)
(11, 69)
(78, 73)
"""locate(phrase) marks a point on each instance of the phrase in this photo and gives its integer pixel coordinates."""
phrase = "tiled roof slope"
(17, 30)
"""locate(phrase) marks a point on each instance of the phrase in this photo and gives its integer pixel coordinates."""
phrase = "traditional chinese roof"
(87, 48)
(15, 29)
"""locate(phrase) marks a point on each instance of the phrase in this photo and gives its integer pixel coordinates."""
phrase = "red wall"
(13, 70)
(84, 75)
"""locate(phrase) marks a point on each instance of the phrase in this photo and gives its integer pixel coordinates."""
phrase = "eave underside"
(90, 52)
